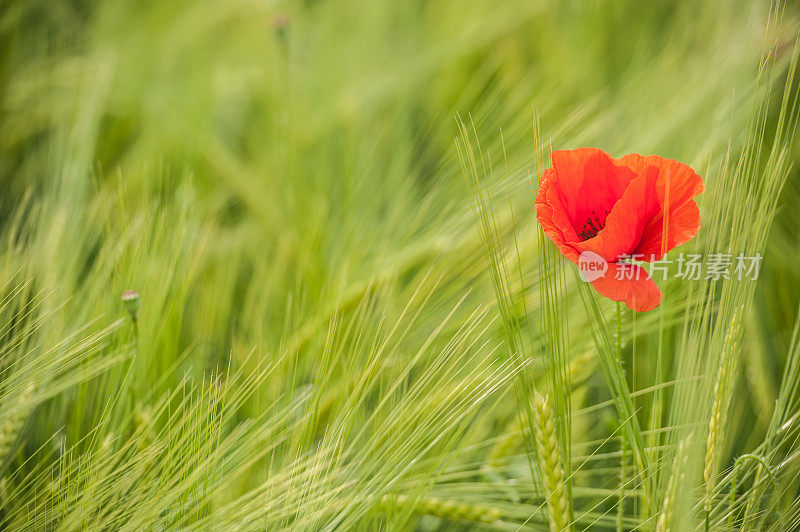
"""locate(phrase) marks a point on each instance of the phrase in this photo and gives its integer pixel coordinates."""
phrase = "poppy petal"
(627, 220)
(639, 206)
(552, 217)
(676, 186)
(630, 284)
(586, 186)
(682, 225)
(663, 189)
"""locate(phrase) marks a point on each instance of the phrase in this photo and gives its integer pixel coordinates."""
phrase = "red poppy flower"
(589, 203)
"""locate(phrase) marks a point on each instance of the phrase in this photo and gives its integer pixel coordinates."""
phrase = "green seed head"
(130, 300)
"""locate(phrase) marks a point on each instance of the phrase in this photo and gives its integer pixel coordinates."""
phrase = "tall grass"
(349, 321)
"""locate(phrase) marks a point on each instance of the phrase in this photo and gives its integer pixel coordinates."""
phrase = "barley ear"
(580, 369)
(503, 447)
(722, 391)
(4, 498)
(676, 480)
(550, 465)
(444, 508)
(12, 419)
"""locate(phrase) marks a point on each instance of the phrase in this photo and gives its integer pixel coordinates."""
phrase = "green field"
(348, 316)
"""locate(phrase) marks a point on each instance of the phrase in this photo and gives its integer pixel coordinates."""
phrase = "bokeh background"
(281, 183)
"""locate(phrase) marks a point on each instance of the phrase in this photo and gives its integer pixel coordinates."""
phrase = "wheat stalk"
(550, 465)
(623, 482)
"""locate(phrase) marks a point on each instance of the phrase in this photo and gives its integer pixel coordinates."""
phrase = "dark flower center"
(592, 226)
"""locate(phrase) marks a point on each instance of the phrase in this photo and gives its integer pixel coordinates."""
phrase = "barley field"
(271, 265)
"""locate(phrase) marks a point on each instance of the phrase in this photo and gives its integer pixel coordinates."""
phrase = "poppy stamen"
(592, 226)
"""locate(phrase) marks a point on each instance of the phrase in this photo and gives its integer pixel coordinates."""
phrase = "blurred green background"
(265, 173)
(315, 139)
